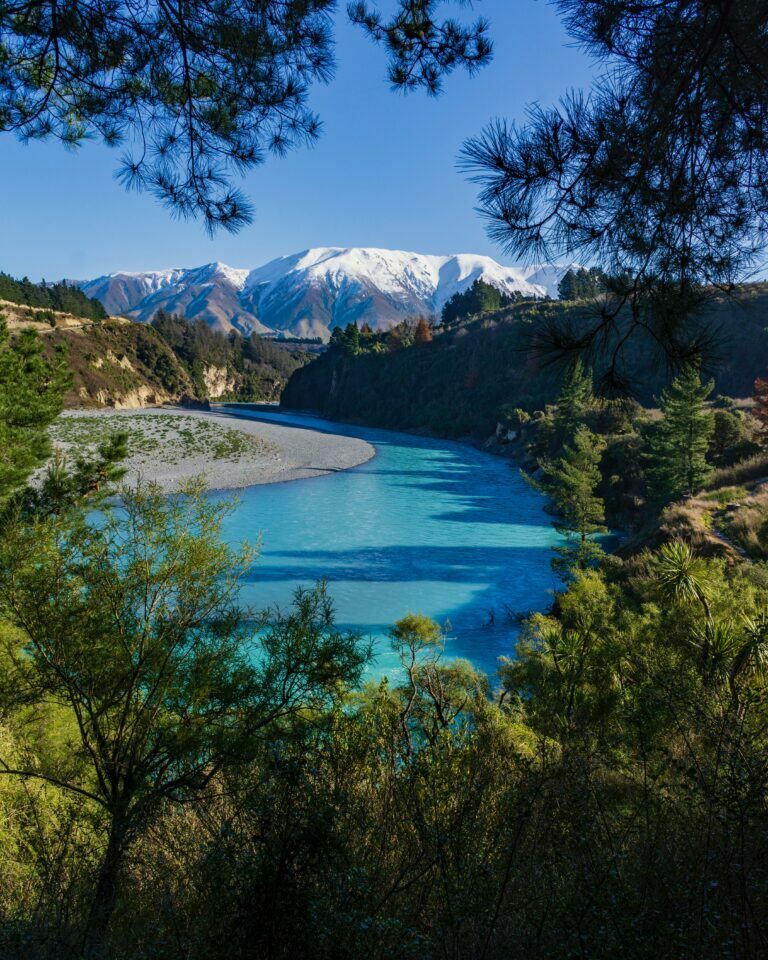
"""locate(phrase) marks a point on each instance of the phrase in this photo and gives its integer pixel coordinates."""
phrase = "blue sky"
(383, 173)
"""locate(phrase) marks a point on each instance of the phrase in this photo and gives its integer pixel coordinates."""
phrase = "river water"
(427, 526)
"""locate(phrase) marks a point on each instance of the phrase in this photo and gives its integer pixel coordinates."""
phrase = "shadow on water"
(427, 525)
(482, 565)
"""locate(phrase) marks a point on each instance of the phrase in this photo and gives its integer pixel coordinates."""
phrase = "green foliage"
(130, 624)
(353, 338)
(56, 296)
(575, 399)
(474, 370)
(208, 93)
(348, 340)
(256, 367)
(638, 173)
(581, 284)
(31, 396)
(90, 477)
(732, 440)
(571, 484)
(481, 297)
(679, 442)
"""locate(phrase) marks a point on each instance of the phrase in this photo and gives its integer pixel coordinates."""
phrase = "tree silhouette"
(197, 92)
(660, 174)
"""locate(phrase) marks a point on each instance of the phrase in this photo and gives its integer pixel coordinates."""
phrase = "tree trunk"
(105, 894)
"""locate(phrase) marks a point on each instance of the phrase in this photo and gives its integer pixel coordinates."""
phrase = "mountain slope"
(308, 293)
(210, 293)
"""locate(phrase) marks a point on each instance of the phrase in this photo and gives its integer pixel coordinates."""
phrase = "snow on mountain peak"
(309, 292)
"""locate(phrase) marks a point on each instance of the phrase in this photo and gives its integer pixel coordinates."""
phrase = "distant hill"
(461, 382)
(307, 294)
(62, 297)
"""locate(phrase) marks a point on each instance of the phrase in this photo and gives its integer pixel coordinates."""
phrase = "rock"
(192, 403)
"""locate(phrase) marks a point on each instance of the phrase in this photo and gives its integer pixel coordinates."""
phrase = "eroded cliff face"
(143, 396)
(118, 364)
(218, 382)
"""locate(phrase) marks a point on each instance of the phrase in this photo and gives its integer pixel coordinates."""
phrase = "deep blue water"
(427, 526)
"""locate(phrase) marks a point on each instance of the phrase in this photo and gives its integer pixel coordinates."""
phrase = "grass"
(754, 468)
(165, 438)
(725, 495)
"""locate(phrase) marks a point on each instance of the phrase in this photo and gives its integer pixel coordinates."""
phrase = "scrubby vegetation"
(116, 363)
(182, 778)
(120, 363)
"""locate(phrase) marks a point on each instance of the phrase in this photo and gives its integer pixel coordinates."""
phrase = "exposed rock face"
(218, 382)
(143, 396)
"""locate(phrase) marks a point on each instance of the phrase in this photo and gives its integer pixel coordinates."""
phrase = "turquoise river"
(428, 526)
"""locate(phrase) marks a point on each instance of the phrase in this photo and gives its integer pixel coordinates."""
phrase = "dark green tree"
(679, 443)
(51, 296)
(31, 397)
(581, 284)
(352, 339)
(575, 399)
(481, 297)
(571, 484)
(338, 340)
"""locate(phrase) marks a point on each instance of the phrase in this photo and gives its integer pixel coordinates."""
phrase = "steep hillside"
(119, 364)
(123, 364)
(308, 294)
(462, 381)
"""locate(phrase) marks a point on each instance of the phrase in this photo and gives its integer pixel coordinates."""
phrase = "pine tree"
(31, 396)
(576, 397)
(352, 339)
(571, 484)
(679, 444)
(567, 288)
(423, 334)
(337, 338)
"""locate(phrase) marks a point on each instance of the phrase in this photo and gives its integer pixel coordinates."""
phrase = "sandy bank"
(169, 446)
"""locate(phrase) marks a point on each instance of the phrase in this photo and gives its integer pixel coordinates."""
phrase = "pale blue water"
(428, 526)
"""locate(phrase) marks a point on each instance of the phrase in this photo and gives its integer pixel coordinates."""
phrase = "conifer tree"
(204, 91)
(576, 397)
(422, 333)
(352, 338)
(31, 396)
(337, 338)
(679, 444)
(571, 484)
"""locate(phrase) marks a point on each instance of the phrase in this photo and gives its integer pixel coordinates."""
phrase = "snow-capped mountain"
(309, 293)
(210, 293)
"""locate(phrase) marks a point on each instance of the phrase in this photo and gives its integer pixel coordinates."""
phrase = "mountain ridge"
(308, 293)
